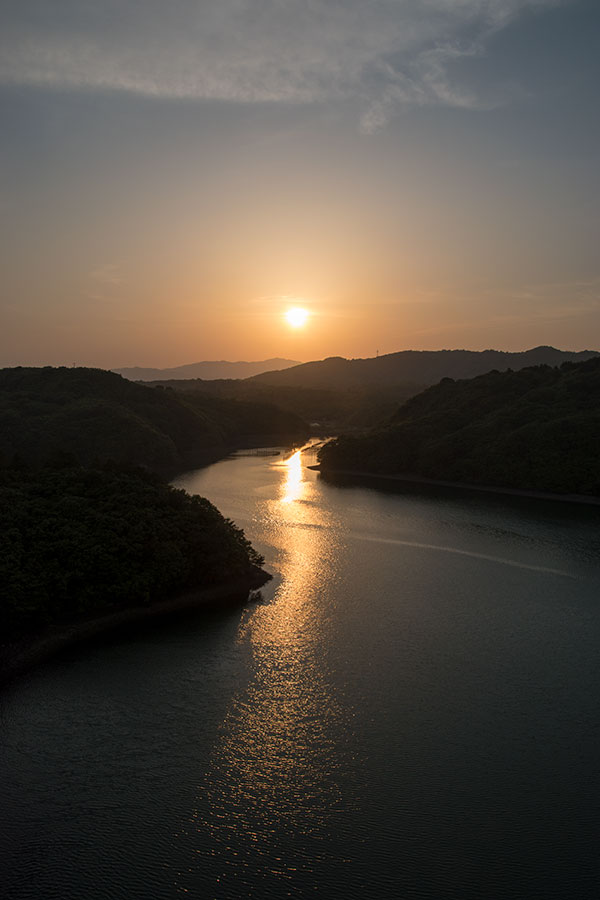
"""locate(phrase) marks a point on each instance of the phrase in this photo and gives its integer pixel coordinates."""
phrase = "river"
(411, 711)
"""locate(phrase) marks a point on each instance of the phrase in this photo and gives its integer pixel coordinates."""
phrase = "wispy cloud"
(384, 53)
(424, 81)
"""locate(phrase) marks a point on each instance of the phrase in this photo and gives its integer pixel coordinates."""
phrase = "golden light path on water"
(273, 771)
(293, 486)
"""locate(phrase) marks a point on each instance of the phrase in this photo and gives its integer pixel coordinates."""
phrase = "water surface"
(411, 712)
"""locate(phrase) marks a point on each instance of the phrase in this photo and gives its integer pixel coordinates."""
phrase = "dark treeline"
(536, 429)
(94, 416)
(326, 409)
(350, 395)
(88, 525)
(78, 543)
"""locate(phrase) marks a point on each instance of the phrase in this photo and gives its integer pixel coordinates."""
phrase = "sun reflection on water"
(275, 763)
(293, 486)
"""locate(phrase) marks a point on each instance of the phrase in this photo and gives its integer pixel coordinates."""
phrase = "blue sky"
(416, 173)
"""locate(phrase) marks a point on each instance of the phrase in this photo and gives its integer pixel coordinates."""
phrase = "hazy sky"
(415, 173)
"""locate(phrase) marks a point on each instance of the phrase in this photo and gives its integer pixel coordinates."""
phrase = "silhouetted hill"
(93, 416)
(416, 367)
(80, 543)
(337, 394)
(207, 370)
(328, 410)
(535, 429)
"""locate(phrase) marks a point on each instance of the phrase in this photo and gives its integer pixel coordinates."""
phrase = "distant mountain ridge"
(420, 367)
(208, 370)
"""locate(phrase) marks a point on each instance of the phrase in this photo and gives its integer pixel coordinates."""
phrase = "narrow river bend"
(411, 711)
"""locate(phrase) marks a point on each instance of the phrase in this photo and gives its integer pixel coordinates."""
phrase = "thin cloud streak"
(386, 54)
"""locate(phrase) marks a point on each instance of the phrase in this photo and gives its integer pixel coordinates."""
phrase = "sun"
(296, 316)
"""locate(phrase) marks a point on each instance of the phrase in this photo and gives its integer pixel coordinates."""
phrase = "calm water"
(412, 712)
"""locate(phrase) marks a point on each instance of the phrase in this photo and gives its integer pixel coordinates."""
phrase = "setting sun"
(296, 317)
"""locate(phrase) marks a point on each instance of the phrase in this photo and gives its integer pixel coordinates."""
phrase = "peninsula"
(537, 429)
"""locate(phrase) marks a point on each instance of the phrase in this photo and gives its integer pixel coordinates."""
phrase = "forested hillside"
(78, 543)
(536, 429)
(413, 367)
(84, 533)
(338, 395)
(93, 416)
(328, 410)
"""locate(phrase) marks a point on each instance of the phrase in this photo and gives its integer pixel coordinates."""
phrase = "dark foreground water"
(412, 712)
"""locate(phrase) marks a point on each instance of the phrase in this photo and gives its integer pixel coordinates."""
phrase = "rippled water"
(411, 712)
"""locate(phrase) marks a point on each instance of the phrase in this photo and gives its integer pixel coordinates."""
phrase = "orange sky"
(443, 193)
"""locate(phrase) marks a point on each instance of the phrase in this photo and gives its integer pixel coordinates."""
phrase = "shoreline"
(582, 499)
(26, 654)
(20, 656)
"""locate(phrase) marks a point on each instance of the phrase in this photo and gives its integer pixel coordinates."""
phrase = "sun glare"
(296, 317)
